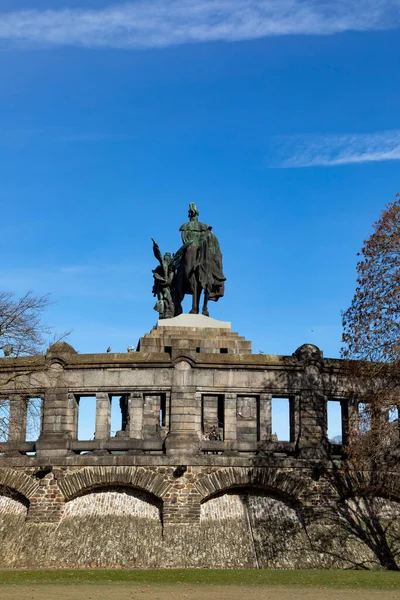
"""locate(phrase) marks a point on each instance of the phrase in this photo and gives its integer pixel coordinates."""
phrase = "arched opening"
(12, 502)
(110, 525)
(253, 527)
(114, 500)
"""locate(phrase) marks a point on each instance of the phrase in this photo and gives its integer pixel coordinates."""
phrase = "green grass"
(311, 578)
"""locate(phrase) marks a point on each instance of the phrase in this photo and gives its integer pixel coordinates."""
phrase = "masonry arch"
(16, 481)
(253, 523)
(85, 480)
(279, 483)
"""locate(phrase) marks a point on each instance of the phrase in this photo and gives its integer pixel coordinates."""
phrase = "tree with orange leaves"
(371, 336)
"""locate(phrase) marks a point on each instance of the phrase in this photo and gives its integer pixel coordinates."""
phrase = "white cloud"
(333, 150)
(157, 23)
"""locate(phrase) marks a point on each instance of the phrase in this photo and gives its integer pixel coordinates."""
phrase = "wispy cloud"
(333, 150)
(145, 24)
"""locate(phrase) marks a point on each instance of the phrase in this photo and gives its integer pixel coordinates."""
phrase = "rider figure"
(194, 233)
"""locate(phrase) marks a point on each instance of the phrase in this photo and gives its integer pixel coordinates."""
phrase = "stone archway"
(16, 480)
(87, 479)
(283, 483)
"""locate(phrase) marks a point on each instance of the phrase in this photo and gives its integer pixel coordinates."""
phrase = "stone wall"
(206, 517)
(158, 493)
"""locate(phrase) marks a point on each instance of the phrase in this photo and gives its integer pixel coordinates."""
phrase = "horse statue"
(196, 266)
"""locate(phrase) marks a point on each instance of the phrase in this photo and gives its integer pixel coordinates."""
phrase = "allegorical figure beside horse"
(195, 267)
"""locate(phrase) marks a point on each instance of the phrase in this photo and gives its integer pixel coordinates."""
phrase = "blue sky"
(279, 119)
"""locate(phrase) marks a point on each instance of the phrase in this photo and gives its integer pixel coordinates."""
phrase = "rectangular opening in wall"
(213, 418)
(281, 419)
(119, 414)
(33, 419)
(163, 410)
(4, 419)
(393, 414)
(393, 419)
(334, 421)
(86, 417)
(223, 350)
(247, 419)
(364, 417)
(221, 413)
(154, 413)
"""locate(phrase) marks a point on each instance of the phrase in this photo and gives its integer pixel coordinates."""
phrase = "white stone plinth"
(199, 321)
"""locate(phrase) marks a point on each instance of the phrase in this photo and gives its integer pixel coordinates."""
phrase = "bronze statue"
(163, 277)
(195, 267)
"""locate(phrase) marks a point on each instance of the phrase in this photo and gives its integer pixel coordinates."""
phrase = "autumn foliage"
(371, 336)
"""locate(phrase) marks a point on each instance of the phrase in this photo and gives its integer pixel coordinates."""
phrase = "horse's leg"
(195, 296)
(205, 304)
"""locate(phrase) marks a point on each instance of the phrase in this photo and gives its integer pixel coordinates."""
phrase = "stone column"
(103, 416)
(17, 419)
(54, 440)
(230, 418)
(136, 415)
(57, 419)
(294, 417)
(265, 417)
(352, 417)
(312, 441)
(313, 419)
(185, 420)
(71, 422)
(55, 412)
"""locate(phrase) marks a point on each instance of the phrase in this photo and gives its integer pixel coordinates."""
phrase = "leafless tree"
(22, 333)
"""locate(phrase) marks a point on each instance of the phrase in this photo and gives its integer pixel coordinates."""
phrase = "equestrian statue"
(195, 267)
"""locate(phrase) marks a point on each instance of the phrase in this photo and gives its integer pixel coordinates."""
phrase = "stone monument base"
(193, 334)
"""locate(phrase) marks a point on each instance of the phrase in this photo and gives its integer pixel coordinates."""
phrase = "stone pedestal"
(186, 338)
(193, 334)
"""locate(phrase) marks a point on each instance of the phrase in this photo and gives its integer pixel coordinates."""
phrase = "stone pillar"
(265, 417)
(71, 421)
(57, 411)
(54, 440)
(136, 416)
(230, 418)
(185, 420)
(352, 418)
(17, 419)
(312, 441)
(103, 416)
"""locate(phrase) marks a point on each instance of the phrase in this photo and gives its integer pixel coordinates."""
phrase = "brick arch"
(18, 481)
(280, 483)
(90, 478)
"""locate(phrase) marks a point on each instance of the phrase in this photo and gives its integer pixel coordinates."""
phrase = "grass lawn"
(385, 580)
